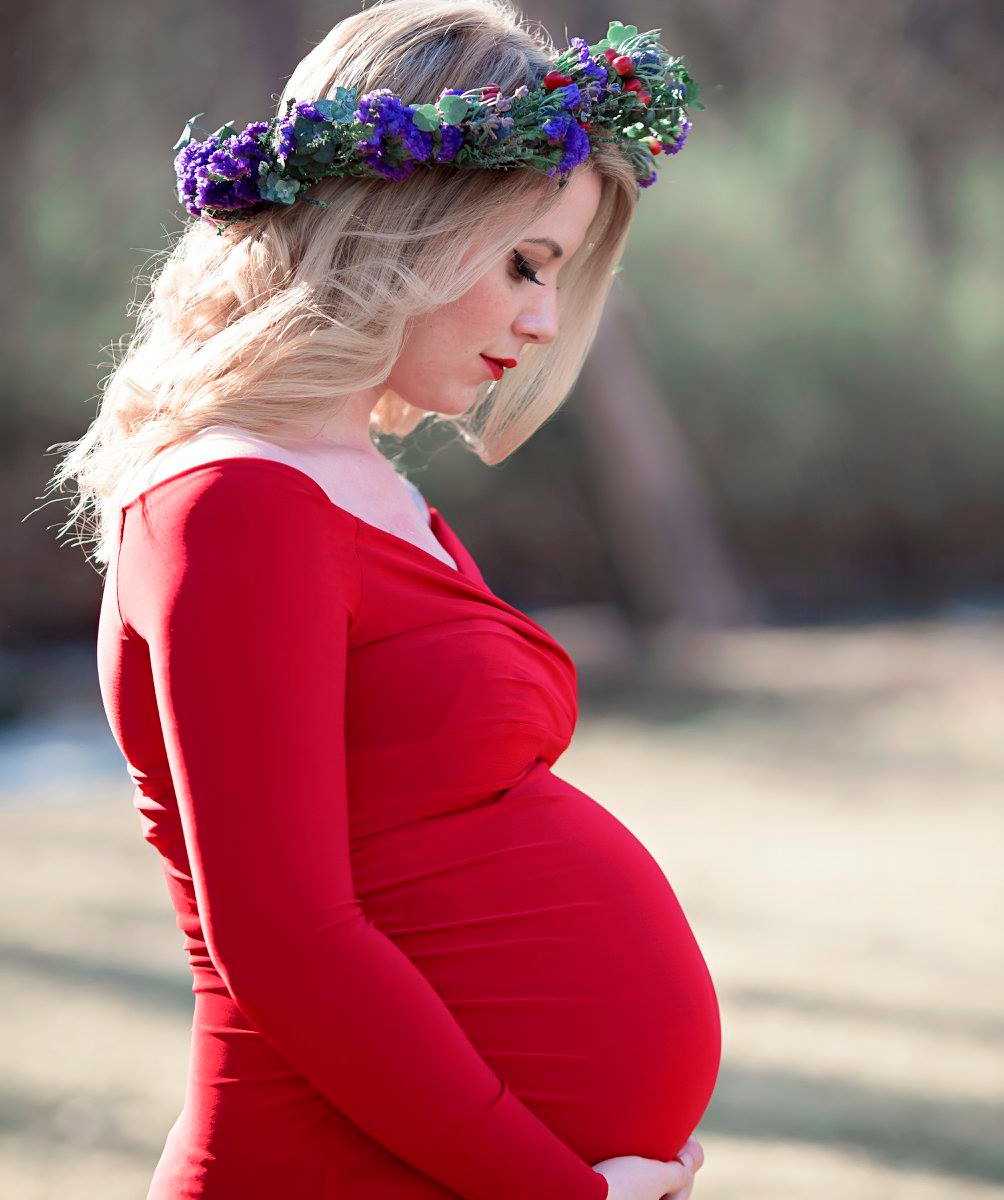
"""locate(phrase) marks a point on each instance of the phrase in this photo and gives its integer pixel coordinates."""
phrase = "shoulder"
(233, 500)
(240, 533)
(208, 447)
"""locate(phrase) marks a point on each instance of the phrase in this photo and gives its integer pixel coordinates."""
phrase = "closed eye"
(525, 270)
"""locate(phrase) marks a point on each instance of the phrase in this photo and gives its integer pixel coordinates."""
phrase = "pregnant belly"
(557, 942)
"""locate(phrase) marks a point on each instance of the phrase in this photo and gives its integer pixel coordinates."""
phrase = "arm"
(244, 591)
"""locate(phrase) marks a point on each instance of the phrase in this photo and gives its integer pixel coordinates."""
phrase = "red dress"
(425, 966)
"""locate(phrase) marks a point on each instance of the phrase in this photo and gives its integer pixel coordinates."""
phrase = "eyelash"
(524, 270)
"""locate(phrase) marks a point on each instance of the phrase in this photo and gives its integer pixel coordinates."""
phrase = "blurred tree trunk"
(662, 535)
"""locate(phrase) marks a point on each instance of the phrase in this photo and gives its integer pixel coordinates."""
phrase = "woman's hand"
(632, 1177)
(692, 1155)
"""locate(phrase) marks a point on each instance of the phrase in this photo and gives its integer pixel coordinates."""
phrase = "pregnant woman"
(424, 965)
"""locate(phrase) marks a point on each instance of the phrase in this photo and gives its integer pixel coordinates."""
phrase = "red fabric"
(424, 965)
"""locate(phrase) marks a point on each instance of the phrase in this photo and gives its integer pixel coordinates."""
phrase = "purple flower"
(556, 127)
(307, 109)
(570, 96)
(286, 130)
(594, 72)
(393, 127)
(188, 163)
(219, 173)
(565, 131)
(595, 77)
(452, 139)
(648, 180)
(581, 47)
(576, 147)
(419, 142)
(395, 173)
(286, 143)
(675, 146)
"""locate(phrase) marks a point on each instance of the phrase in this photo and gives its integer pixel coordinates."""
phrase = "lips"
(498, 365)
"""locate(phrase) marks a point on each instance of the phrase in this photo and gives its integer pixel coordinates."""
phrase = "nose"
(538, 321)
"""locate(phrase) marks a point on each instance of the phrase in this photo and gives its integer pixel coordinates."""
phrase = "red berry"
(634, 85)
(644, 97)
(610, 54)
(555, 79)
(653, 144)
(623, 64)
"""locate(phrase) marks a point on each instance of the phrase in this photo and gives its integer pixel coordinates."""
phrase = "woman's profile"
(424, 965)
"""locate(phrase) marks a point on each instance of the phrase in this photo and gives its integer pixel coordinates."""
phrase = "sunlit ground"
(827, 805)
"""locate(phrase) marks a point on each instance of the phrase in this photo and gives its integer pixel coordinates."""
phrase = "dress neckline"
(465, 572)
(437, 522)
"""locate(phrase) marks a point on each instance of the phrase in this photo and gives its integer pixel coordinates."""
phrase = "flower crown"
(626, 89)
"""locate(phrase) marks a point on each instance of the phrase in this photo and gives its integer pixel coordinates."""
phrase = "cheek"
(483, 309)
(469, 325)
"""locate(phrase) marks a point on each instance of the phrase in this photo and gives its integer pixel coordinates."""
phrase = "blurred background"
(768, 525)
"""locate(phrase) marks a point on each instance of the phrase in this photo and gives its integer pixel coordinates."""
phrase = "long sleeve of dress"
(244, 589)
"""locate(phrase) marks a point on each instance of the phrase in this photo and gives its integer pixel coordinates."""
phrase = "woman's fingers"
(692, 1153)
(687, 1192)
(690, 1158)
(678, 1177)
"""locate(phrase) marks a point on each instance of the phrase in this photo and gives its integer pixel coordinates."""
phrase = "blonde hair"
(265, 325)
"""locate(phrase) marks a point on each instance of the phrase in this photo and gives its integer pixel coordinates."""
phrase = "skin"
(634, 1178)
(439, 369)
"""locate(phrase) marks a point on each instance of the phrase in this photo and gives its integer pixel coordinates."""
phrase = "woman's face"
(440, 367)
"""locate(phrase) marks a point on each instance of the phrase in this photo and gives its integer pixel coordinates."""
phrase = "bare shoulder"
(363, 484)
(207, 446)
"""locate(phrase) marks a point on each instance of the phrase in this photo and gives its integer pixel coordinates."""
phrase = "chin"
(453, 403)
(457, 403)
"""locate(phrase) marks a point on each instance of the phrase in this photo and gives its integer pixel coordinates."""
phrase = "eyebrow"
(552, 245)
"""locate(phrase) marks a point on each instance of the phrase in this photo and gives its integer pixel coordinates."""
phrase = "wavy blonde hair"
(265, 325)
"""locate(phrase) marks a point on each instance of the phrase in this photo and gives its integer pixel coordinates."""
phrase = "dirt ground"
(827, 806)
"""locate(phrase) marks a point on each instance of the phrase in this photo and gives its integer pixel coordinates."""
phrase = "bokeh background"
(768, 524)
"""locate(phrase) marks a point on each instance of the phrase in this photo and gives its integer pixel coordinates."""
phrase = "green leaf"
(225, 131)
(341, 109)
(453, 108)
(286, 190)
(618, 34)
(278, 189)
(306, 130)
(326, 153)
(426, 117)
(346, 102)
(188, 133)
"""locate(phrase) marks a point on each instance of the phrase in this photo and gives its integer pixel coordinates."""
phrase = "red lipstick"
(498, 365)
